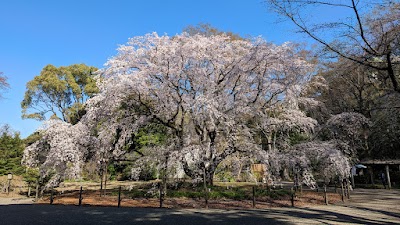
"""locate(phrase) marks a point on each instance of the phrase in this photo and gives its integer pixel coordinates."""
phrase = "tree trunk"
(391, 74)
(210, 176)
(105, 180)
(101, 183)
(37, 191)
(164, 179)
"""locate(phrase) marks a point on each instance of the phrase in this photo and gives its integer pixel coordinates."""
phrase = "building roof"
(381, 162)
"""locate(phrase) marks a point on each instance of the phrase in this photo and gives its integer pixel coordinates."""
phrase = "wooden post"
(29, 191)
(80, 196)
(388, 177)
(325, 196)
(165, 175)
(205, 187)
(292, 197)
(341, 183)
(105, 181)
(348, 189)
(51, 195)
(161, 194)
(101, 182)
(254, 196)
(119, 197)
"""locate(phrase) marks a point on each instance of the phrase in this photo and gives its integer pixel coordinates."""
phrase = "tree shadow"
(89, 215)
(66, 214)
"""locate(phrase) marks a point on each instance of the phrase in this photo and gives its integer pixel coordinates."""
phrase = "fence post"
(341, 184)
(80, 196)
(292, 197)
(119, 196)
(254, 196)
(101, 183)
(105, 181)
(51, 195)
(161, 194)
(205, 187)
(348, 189)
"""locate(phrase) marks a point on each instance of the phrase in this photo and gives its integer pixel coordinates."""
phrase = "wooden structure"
(385, 163)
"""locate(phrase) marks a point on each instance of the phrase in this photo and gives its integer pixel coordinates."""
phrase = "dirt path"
(366, 206)
(15, 200)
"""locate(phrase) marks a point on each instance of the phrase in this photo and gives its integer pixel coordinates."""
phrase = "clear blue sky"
(36, 33)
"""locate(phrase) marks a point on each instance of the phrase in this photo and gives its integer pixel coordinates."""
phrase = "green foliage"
(31, 175)
(215, 192)
(61, 91)
(297, 138)
(225, 176)
(11, 149)
(151, 135)
(32, 138)
(208, 30)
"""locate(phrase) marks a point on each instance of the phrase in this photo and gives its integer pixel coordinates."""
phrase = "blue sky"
(37, 33)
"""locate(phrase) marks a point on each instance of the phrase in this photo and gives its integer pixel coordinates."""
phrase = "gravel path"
(365, 207)
(15, 200)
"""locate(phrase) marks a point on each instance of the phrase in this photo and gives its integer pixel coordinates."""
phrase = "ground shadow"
(88, 215)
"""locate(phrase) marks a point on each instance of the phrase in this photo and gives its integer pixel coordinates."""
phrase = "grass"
(185, 195)
(239, 192)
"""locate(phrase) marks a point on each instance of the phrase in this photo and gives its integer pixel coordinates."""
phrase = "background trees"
(369, 35)
(365, 76)
(59, 91)
(11, 150)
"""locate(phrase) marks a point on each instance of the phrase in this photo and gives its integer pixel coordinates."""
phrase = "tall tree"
(60, 91)
(11, 150)
(369, 35)
(384, 139)
(211, 97)
(204, 90)
(350, 87)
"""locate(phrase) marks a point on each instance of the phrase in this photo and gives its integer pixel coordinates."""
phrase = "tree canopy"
(205, 99)
(11, 150)
(59, 92)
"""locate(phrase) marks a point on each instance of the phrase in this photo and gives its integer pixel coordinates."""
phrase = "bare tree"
(369, 34)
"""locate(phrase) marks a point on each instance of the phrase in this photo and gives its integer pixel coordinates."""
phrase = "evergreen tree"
(11, 149)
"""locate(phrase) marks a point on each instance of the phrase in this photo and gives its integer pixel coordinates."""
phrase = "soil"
(307, 198)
